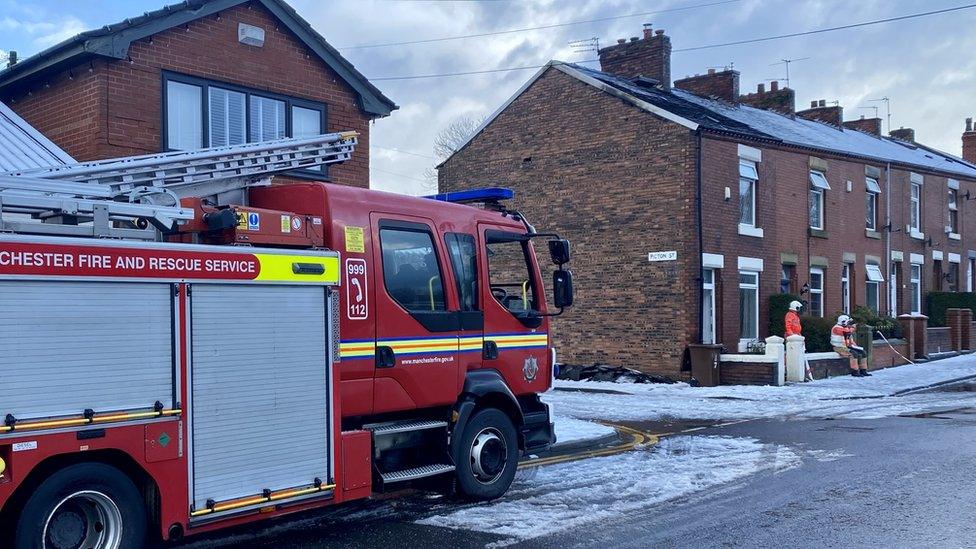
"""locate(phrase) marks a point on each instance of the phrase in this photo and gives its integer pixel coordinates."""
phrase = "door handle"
(489, 350)
(385, 358)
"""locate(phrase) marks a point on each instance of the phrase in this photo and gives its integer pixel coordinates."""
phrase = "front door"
(416, 330)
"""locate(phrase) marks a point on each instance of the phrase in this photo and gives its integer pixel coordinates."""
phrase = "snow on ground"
(570, 429)
(840, 396)
(569, 495)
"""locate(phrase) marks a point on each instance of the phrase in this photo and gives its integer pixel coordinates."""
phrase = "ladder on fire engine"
(123, 197)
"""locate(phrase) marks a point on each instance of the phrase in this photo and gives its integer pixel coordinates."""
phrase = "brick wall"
(938, 341)
(114, 108)
(747, 373)
(618, 183)
(883, 356)
(781, 100)
(722, 85)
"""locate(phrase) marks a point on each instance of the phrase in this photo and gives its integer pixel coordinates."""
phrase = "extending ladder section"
(91, 198)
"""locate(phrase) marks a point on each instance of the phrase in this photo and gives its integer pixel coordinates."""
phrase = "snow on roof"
(23, 147)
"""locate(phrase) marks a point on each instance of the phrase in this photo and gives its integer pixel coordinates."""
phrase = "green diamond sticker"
(164, 440)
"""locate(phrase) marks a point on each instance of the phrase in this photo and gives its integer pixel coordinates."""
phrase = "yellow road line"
(638, 438)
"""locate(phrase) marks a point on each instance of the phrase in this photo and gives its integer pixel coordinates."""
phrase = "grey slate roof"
(113, 41)
(719, 116)
(23, 147)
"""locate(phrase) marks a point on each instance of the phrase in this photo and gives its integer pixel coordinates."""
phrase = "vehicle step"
(417, 472)
(392, 428)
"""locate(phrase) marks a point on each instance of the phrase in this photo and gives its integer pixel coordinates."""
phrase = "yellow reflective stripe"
(74, 422)
(256, 499)
(279, 268)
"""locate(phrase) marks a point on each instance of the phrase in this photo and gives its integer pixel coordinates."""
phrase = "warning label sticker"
(354, 240)
(286, 223)
(253, 221)
(242, 221)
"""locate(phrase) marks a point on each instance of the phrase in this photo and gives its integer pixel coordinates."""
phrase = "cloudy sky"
(925, 65)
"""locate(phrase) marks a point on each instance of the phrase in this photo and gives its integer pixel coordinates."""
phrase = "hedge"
(938, 302)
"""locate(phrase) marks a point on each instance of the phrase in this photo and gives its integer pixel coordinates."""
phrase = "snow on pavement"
(839, 396)
(570, 495)
(570, 429)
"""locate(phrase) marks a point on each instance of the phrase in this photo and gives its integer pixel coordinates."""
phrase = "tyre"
(88, 505)
(488, 456)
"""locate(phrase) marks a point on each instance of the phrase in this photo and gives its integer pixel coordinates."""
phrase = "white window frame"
(915, 210)
(873, 280)
(845, 288)
(744, 341)
(817, 272)
(748, 177)
(970, 267)
(915, 284)
(818, 196)
(952, 204)
(871, 198)
(708, 288)
(893, 288)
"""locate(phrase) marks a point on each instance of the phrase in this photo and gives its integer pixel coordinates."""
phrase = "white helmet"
(843, 320)
(795, 305)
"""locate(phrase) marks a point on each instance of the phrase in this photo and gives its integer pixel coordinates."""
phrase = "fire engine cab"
(187, 347)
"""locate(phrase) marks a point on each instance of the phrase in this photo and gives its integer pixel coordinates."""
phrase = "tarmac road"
(895, 482)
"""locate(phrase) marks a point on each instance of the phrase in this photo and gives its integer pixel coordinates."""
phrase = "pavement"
(885, 461)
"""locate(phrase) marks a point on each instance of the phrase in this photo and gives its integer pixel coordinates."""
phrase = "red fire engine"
(200, 364)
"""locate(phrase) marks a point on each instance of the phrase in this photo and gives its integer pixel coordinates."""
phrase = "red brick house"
(196, 74)
(689, 205)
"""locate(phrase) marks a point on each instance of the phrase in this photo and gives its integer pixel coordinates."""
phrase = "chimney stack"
(867, 125)
(781, 100)
(820, 112)
(905, 134)
(11, 58)
(719, 85)
(969, 142)
(649, 57)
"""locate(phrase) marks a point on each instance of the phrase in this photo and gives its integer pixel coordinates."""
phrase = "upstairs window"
(200, 113)
(818, 188)
(915, 208)
(748, 176)
(871, 204)
(953, 201)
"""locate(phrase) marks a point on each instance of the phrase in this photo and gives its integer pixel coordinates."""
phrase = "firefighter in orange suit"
(842, 340)
(793, 319)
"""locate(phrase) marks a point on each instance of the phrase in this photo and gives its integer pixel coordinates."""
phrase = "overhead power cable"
(401, 151)
(703, 47)
(526, 29)
(400, 175)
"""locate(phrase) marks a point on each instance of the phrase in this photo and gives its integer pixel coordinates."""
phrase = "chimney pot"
(648, 31)
(862, 117)
(711, 71)
(823, 103)
(659, 32)
(761, 88)
(774, 85)
(11, 58)
(969, 124)
(969, 142)
(633, 39)
(621, 40)
(813, 104)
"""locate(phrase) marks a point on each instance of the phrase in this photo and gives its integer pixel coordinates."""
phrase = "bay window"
(199, 113)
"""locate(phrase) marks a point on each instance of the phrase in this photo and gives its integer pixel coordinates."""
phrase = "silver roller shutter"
(260, 403)
(68, 346)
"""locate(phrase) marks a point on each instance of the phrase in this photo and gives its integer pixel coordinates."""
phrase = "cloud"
(43, 33)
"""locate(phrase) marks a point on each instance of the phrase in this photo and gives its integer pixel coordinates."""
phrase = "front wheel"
(89, 505)
(488, 456)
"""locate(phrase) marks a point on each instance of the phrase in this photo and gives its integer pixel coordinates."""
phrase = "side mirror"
(562, 288)
(559, 251)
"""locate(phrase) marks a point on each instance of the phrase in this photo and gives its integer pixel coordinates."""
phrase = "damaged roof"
(711, 115)
(113, 41)
(22, 147)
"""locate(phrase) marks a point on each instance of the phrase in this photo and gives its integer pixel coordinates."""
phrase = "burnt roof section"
(113, 41)
(749, 122)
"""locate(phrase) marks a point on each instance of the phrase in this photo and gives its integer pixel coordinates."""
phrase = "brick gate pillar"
(953, 321)
(915, 328)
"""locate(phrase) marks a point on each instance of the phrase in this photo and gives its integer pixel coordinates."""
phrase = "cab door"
(463, 252)
(416, 325)
(516, 333)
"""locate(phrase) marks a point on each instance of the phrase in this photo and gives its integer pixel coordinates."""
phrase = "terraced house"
(690, 204)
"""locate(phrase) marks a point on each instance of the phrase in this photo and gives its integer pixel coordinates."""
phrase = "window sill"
(818, 233)
(915, 234)
(955, 236)
(750, 230)
(871, 233)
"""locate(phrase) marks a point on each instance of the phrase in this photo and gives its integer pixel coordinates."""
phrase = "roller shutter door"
(260, 402)
(68, 346)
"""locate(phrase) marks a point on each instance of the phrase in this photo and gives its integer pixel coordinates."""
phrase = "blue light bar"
(487, 194)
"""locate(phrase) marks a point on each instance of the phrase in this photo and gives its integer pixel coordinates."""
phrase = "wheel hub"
(84, 520)
(489, 455)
